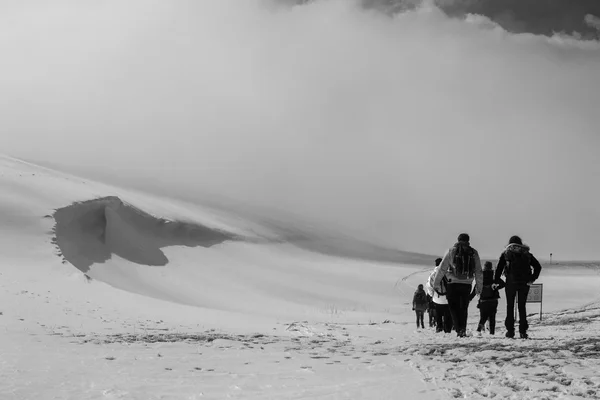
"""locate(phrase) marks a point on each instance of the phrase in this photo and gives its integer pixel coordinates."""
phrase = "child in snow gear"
(488, 299)
(443, 319)
(516, 262)
(461, 265)
(420, 305)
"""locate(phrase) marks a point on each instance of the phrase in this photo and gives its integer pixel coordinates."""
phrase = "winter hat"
(438, 261)
(420, 287)
(488, 266)
(464, 237)
(515, 240)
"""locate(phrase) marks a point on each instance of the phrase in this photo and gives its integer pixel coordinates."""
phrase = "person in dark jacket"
(420, 305)
(488, 300)
(516, 263)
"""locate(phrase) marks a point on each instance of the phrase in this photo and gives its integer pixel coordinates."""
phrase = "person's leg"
(453, 296)
(465, 292)
(458, 301)
(509, 322)
(417, 314)
(483, 316)
(421, 317)
(523, 291)
(492, 316)
(420, 314)
(439, 317)
(447, 319)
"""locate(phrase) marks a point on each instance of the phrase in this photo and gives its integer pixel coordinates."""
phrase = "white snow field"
(107, 293)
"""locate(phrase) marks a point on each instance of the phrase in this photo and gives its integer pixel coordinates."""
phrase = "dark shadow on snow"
(92, 232)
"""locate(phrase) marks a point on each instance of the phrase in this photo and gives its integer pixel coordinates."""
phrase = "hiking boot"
(524, 335)
(510, 334)
(480, 328)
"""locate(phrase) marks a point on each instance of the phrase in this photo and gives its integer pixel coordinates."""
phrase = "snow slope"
(182, 252)
(112, 293)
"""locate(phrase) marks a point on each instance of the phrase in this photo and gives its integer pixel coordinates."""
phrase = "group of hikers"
(449, 288)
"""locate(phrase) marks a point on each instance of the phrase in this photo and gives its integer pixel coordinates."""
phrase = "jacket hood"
(518, 248)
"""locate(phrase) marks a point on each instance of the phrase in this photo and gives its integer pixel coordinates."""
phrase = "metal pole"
(541, 299)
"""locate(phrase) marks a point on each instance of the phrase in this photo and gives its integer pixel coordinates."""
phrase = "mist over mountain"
(402, 127)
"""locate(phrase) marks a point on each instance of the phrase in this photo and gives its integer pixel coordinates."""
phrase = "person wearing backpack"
(516, 263)
(461, 265)
(443, 319)
(488, 299)
(420, 305)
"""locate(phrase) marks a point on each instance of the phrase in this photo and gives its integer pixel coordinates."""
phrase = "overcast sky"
(403, 128)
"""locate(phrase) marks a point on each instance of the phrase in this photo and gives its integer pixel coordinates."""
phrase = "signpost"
(536, 291)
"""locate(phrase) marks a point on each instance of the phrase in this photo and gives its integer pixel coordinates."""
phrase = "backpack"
(518, 262)
(463, 263)
(443, 286)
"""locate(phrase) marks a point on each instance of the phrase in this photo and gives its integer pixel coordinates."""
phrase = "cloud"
(404, 129)
(592, 21)
(545, 17)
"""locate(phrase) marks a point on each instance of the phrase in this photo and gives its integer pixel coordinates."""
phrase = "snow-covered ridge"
(169, 249)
